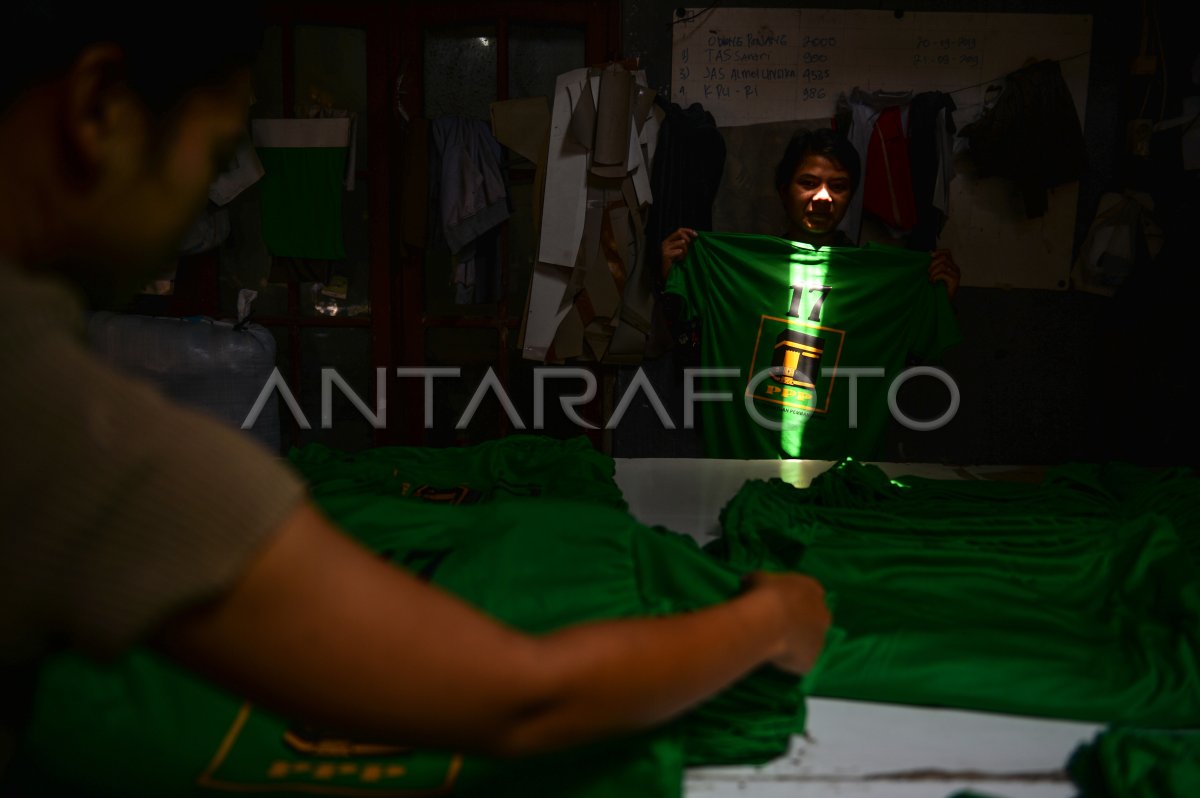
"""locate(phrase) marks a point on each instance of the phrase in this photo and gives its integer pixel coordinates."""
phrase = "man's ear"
(96, 108)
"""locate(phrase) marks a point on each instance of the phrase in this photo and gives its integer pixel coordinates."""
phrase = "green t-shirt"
(798, 325)
(1075, 598)
(1138, 763)
(512, 467)
(304, 164)
(144, 728)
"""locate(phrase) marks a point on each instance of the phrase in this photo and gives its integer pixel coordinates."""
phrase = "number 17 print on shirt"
(815, 336)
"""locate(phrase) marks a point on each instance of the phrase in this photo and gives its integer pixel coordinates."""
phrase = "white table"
(859, 749)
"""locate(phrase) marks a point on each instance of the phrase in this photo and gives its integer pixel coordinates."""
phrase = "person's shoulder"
(40, 302)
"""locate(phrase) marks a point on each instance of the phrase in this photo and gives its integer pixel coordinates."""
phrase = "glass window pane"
(474, 351)
(439, 282)
(342, 288)
(348, 352)
(331, 73)
(357, 235)
(537, 54)
(267, 76)
(460, 71)
(522, 247)
(331, 68)
(283, 362)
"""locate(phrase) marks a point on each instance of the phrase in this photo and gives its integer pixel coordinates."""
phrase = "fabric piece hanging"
(931, 132)
(687, 172)
(523, 126)
(905, 144)
(859, 110)
(208, 233)
(243, 171)
(301, 192)
(470, 191)
(887, 179)
(1123, 237)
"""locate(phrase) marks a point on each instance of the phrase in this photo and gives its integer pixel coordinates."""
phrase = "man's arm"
(320, 629)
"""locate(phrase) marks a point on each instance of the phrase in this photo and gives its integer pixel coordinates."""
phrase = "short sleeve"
(935, 328)
(121, 507)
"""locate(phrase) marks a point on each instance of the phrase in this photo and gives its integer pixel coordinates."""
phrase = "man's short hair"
(168, 52)
(824, 142)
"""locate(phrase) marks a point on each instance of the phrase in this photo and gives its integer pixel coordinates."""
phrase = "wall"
(1046, 376)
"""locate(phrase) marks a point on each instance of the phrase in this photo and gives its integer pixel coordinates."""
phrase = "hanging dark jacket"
(1032, 135)
(925, 158)
(688, 164)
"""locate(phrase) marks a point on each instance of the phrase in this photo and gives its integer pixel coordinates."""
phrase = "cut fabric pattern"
(591, 297)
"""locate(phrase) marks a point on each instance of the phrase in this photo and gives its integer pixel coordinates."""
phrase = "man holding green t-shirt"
(806, 337)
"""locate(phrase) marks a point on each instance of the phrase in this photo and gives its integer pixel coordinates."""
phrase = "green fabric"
(516, 466)
(142, 727)
(1076, 598)
(760, 298)
(301, 196)
(1127, 762)
(1138, 763)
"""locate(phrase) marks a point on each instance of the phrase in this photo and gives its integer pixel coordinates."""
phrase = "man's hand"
(440, 673)
(943, 268)
(806, 617)
(675, 248)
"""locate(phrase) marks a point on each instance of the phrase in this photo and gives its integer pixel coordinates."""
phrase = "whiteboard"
(750, 66)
